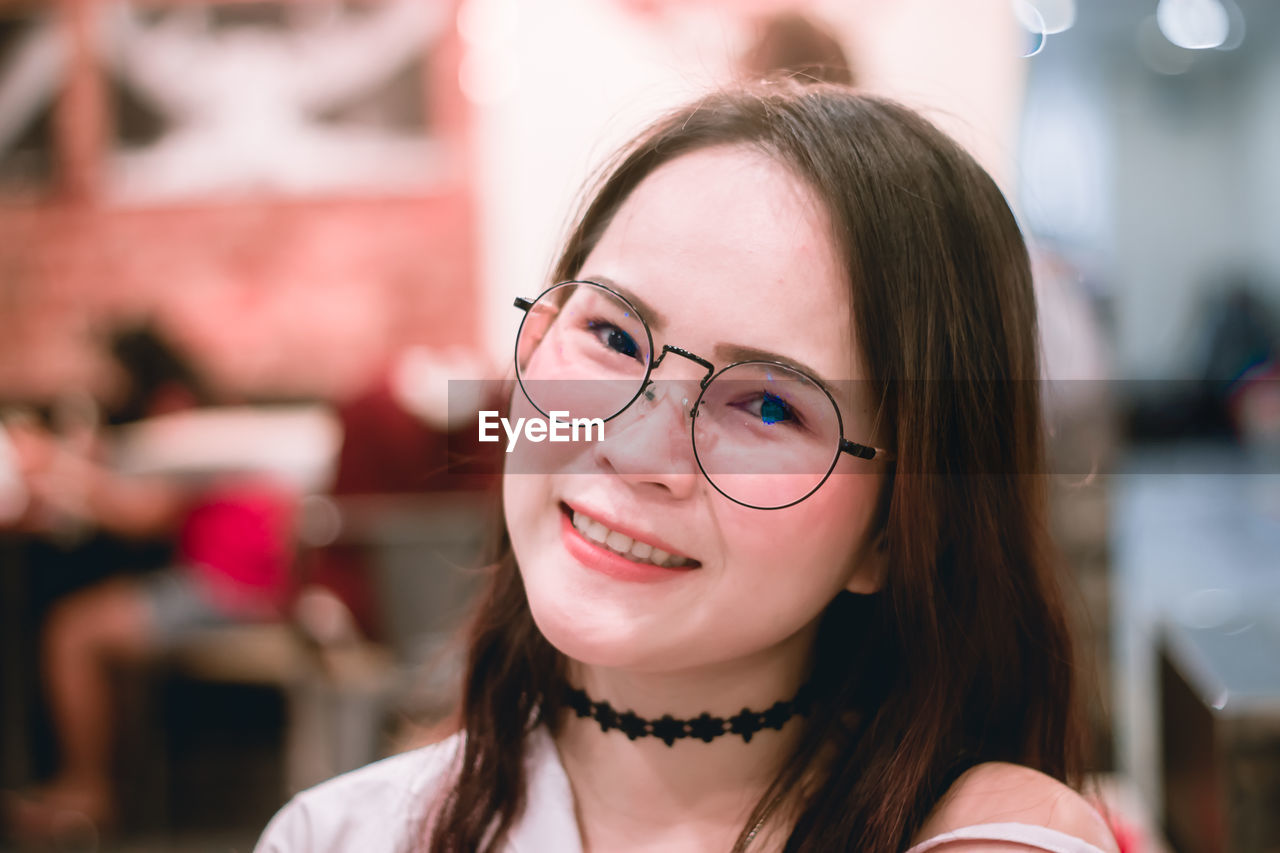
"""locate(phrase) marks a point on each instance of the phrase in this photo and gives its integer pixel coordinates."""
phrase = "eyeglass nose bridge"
(646, 390)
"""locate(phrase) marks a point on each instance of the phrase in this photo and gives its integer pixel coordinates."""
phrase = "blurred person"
(13, 490)
(232, 538)
(143, 375)
(153, 377)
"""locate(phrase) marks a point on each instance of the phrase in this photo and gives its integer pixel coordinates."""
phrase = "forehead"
(731, 249)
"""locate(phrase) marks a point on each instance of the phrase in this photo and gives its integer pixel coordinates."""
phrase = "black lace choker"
(704, 727)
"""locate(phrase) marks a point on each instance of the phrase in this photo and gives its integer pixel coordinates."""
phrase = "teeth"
(622, 544)
(619, 542)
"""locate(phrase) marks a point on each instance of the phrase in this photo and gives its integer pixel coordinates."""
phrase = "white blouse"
(379, 809)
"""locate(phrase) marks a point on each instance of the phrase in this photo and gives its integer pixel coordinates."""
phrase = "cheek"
(521, 484)
(532, 524)
(817, 538)
(540, 457)
(523, 497)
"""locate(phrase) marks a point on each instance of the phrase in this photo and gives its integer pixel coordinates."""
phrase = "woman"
(735, 623)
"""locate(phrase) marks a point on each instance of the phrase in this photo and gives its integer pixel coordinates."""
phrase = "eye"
(614, 338)
(774, 409)
(771, 409)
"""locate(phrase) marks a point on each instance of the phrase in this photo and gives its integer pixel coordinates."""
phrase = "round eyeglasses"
(765, 434)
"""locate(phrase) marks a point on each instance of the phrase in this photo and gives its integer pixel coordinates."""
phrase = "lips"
(632, 545)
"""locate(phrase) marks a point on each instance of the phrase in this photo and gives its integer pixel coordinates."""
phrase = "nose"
(650, 445)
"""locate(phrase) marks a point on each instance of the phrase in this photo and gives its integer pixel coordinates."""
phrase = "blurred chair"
(341, 690)
(265, 657)
(425, 554)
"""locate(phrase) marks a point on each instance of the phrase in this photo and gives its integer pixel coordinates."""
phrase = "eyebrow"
(724, 353)
(651, 315)
(736, 352)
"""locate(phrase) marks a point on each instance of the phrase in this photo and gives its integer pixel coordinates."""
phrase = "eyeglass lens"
(583, 351)
(764, 435)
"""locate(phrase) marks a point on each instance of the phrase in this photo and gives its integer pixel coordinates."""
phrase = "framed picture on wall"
(32, 65)
(216, 99)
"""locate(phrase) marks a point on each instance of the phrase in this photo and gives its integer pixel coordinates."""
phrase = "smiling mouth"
(623, 545)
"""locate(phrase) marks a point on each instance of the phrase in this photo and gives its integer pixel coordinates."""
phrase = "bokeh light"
(1193, 24)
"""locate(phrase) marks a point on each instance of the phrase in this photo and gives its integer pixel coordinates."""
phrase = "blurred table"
(1196, 543)
(1220, 705)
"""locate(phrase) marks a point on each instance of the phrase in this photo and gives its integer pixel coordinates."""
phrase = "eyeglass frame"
(853, 448)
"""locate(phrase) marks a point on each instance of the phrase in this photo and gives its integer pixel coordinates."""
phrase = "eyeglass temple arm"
(523, 304)
(864, 451)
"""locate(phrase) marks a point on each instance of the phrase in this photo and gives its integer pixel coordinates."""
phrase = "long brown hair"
(964, 656)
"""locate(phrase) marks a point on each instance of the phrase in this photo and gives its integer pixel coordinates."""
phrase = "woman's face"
(731, 252)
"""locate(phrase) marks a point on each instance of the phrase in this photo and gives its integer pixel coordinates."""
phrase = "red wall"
(294, 298)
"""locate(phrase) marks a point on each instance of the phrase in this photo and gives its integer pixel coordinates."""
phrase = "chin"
(594, 632)
(582, 636)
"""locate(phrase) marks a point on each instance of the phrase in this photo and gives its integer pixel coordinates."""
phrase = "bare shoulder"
(997, 792)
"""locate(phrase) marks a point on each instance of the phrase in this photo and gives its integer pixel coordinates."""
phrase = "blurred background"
(246, 245)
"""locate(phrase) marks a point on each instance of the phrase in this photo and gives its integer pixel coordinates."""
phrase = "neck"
(691, 795)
